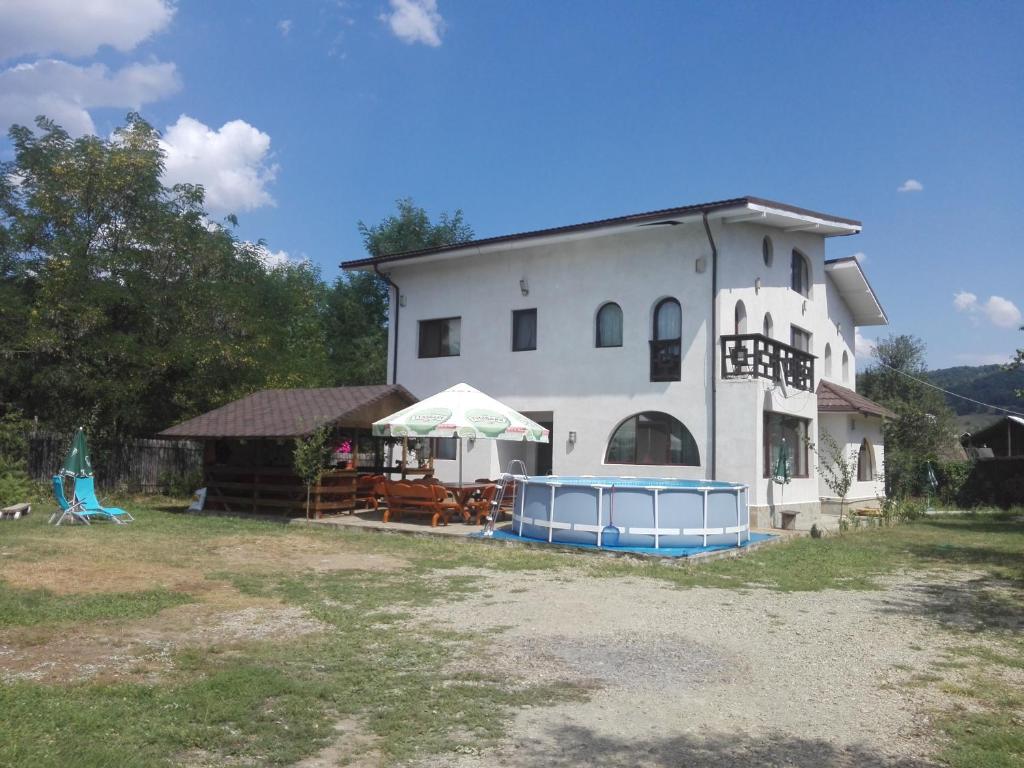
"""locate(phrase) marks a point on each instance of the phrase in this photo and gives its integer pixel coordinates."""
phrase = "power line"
(951, 394)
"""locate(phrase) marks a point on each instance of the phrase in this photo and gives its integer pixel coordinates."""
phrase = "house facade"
(690, 343)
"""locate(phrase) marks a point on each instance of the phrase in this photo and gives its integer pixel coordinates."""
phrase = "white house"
(694, 342)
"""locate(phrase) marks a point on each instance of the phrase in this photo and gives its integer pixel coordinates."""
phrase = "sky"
(306, 117)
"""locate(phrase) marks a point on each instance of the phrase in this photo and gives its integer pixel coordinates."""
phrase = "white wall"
(590, 390)
(849, 430)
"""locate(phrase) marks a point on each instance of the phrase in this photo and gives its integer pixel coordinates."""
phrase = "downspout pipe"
(398, 308)
(712, 460)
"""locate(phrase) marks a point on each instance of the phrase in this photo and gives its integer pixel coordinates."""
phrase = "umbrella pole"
(460, 463)
(405, 455)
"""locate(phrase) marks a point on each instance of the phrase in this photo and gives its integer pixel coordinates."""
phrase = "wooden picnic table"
(464, 493)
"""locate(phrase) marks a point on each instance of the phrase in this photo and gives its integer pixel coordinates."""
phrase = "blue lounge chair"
(85, 494)
(73, 512)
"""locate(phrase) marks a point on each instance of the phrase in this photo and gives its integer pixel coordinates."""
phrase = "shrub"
(15, 486)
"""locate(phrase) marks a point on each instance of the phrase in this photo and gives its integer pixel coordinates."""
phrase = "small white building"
(694, 342)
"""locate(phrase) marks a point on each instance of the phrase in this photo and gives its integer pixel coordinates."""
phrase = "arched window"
(846, 367)
(609, 325)
(865, 462)
(666, 342)
(768, 325)
(741, 318)
(801, 274)
(767, 252)
(828, 359)
(652, 437)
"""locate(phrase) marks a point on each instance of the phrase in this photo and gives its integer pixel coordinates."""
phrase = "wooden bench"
(405, 497)
(14, 512)
(369, 489)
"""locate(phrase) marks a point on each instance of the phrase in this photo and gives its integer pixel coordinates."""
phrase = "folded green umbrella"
(78, 462)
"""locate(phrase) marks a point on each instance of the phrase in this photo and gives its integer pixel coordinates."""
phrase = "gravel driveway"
(704, 677)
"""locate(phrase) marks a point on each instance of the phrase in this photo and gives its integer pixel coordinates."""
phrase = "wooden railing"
(754, 354)
(278, 490)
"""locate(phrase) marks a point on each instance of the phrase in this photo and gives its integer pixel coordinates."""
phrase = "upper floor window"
(740, 318)
(768, 326)
(652, 437)
(828, 359)
(441, 337)
(801, 282)
(524, 330)
(800, 339)
(666, 344)
(846, 367)
(767, 252)
(865, 462)
(609, 325)
(785, 437)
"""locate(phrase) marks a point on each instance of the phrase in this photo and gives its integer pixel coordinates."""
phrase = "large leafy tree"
(124, 307)
(357, 308)
(923, 429)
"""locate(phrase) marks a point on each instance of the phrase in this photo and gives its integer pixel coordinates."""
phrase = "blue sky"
(305, 117)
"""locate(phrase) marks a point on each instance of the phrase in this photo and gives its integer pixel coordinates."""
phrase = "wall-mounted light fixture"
(524, 287)
(700, 265)
(572, 438)
(401, 300)
(853, 423)
(757, 285)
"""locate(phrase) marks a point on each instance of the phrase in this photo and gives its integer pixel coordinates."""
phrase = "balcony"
(754, 354)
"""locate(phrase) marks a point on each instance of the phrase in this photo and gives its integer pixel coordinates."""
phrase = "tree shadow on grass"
(577, 746)
(975, 605)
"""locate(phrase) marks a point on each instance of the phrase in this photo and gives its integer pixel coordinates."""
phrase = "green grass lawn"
(276, 699)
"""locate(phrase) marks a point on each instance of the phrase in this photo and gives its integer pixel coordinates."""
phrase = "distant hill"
(988, 383)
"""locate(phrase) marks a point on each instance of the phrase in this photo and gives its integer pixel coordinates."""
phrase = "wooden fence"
(135, 465)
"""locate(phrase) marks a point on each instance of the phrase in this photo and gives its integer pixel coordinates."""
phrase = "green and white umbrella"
(783, 471)
(461, 411)
(78, 462)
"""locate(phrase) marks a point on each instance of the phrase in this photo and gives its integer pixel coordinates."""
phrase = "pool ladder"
(508, 476)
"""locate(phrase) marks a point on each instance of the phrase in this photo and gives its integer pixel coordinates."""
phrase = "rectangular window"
(800, 339)
(445, 448)
(785, 434)
(440, 338)
(524, 330)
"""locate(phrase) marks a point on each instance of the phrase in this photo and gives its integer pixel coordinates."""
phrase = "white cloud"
(79, 28)
(415, 21)
(965, 301)
(862, 346)
(232, 163)
(1001, 312)
(285, 26)
(910, 185)
(271, 259)
(65, 92)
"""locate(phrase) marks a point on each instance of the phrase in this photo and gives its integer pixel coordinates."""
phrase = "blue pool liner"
(755, 538)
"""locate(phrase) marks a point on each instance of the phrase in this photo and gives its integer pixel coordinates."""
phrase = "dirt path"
(705, 677)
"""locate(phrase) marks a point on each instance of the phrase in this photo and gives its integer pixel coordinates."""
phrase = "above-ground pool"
(631, 512)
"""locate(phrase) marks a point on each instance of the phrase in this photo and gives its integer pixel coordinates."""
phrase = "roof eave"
(733, 211)
(878, 316)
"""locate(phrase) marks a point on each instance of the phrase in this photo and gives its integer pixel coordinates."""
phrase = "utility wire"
(951, 394)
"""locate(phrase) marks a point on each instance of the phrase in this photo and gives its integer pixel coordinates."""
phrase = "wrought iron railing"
(754, 354)
(666, 360)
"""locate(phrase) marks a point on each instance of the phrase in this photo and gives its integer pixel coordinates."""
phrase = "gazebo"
(248, 444)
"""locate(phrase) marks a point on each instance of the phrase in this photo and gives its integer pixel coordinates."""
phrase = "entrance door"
(542, 462)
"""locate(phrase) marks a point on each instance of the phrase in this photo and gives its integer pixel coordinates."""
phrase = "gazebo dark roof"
(278, 413)
(833, 398)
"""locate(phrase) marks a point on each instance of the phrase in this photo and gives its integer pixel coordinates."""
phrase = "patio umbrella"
(783, 472)
(78, 462)
(461, 411)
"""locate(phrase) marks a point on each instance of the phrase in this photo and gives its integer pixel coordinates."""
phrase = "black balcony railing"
(666, 358)
(753, 354)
